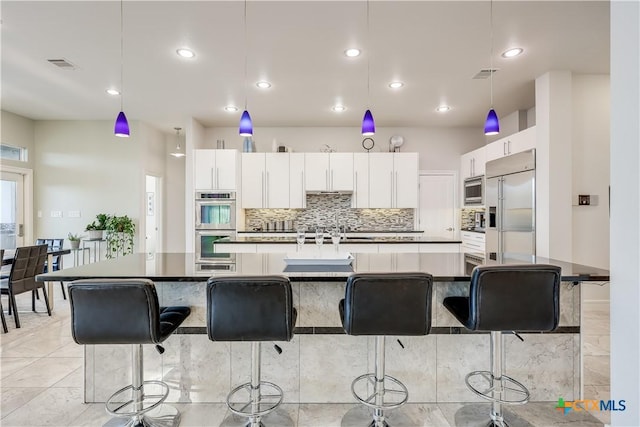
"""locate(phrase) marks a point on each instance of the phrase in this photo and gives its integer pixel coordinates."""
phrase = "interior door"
(437, 205)
(11, 210)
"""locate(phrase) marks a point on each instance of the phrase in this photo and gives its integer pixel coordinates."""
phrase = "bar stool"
(127, 312)
(251, 308)
(385, 304)
(506, 298)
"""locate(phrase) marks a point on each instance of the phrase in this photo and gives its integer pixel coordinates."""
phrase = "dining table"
(7, 259)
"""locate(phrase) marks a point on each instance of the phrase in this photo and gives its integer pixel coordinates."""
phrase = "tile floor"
(41, 384)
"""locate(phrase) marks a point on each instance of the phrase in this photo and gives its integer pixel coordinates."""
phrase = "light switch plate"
(73, 214)
(56, 214)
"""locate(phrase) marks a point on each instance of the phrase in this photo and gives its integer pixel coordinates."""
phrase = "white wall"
(625, 210)
(82, 166)
(174, 196)
(591, 129)
(439, 148)
(17, 131)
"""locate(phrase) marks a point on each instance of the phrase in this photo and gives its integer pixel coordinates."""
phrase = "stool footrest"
(499, 386)
(116, 402)
(401, 393)
(264, 405)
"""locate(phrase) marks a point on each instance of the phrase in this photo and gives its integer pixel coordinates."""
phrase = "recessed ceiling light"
(185, 53)
(396, 85)
(338, 108)
(263, 85)
(352, 53)
(113, 92)
(230, 109)
(510, 53)
(443, 109)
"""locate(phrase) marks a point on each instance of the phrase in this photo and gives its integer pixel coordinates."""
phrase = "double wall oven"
(215, 219)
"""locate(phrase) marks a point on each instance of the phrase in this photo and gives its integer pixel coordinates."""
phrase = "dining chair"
(53, 244)
(28, 262)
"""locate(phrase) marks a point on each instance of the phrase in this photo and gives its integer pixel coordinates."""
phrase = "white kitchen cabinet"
(265, 180)
(328, 171)
(360, 197)
(253, 179)
(512, 144)
(276, 180)
(297, 195)
(215, 169)
(405, 180)
(472, 242)
(472, 163)
(381, 180)
(393, 180)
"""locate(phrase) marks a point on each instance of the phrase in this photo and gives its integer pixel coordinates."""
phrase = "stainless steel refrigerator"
(510, 197)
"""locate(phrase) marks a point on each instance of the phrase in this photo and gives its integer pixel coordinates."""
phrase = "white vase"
(95, 234)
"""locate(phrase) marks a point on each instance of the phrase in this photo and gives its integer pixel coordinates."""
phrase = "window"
(9, 152)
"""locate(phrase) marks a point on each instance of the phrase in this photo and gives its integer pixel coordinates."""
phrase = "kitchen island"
(318, 365)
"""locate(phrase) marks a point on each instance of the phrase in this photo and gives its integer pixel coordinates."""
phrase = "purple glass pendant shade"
(368, 125)
(122, 126)
(246, 126)
(492, 125)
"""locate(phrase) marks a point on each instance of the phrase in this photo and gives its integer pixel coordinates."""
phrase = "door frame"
(27, 189)
(456, 201)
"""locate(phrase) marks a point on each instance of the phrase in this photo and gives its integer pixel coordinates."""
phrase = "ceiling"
(435, 48)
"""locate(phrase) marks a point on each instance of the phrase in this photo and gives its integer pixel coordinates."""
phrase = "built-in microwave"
(215, 210)
(474, 190)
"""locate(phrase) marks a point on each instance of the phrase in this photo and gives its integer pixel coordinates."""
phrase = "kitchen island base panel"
(319, 368)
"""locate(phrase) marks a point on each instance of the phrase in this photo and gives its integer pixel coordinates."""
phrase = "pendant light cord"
(491, 50)
(368, 56)
(121, 53)
(246, 48)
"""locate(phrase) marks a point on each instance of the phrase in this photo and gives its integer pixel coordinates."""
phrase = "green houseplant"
(74, 240)
(97, 227)
(120, 232)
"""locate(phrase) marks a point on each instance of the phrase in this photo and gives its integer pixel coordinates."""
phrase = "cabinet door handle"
(262, 187)
(331, 179)
(391, 188)
(266, 192)
(213, 179)
(355, 188)
(509, 146)
(218, 178)
(395, 190)
(504, 148)
(304, 199)
(326, 179)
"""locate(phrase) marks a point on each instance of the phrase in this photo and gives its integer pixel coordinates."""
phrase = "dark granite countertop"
(181, 267)
(349, 240)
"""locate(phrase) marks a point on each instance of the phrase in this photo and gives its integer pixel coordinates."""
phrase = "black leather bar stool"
(518, 298)
(385, 304)
(251, 308)
(127, 312)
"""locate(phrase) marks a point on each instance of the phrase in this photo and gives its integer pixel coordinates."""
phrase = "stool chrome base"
(278, 417)
(361, 416)
(489, 393)
(161, 416)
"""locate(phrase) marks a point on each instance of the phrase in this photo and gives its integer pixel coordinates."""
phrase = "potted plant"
(74, 240)
(120, 233)
(96, 228)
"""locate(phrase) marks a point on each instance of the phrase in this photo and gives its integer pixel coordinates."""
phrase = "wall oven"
(215, 210)
(474, 190)
(471, 261)
(207, 251)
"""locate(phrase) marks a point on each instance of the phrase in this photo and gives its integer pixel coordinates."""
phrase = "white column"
(553, 165)
(625, 210)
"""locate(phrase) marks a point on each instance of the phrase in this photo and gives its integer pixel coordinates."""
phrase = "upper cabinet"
(215, 169)
(472, 163)
(360, 198)
(393, 180)
(265, 180)
(328, 171)
(512, 144)
(297, 195)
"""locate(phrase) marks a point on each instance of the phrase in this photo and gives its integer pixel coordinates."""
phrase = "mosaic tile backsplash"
(468, 218)
(324, 209)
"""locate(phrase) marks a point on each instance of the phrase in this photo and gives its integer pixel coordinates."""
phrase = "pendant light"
(121, 127)
(178, 151)
(246, 126)
(491, 124)
(368, 125)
